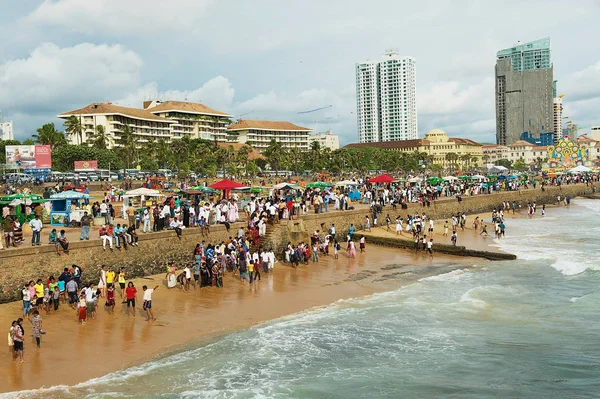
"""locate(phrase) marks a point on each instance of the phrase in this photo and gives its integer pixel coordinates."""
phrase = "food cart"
(67, 208)
(17, 204)
(140, 198)
(350, 188)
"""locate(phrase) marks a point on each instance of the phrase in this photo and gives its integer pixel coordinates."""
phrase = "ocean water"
(520, 329)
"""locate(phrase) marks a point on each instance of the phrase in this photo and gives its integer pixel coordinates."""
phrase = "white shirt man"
(103, 208)
(36, 224)
(271, 256)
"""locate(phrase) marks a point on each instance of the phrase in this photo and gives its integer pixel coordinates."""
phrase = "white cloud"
(138, 17)
(52, 76)
(583, 84)
(217, 93)
(451, 96)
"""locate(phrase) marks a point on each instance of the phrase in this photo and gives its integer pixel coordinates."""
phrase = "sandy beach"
(115, 341)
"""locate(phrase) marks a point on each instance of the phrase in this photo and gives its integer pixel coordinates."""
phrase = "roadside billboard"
(29, 156)
(85, 166)
(43, 157)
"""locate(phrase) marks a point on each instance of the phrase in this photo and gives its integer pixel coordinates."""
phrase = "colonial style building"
(436, 144)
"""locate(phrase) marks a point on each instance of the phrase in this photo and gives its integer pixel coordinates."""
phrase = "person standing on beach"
(367, 223)
(121, 280)
(26, 300)
(18, 337)
(36, 328)
(446, 229)
(82, 309)
(388, 220)
(148, 302)
(351, 249)
(453, 238)
(430, 247)
(336, 249)
(361, 244)
(130, 294)
(102, 282)
(90, 304)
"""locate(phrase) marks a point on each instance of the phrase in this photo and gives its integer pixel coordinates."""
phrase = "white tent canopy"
(138, 192)
(450, 178)
(415, 180)
(346, 183)
(142, 191)
(479, 177)
(580, 169)
(497, 169)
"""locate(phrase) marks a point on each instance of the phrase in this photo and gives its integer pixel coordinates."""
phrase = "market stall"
(17, 205)
(67, 207)
(139, 198)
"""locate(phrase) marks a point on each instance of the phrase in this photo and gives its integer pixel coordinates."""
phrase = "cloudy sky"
(270, 59)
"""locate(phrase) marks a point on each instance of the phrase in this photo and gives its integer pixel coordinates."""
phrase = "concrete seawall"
(30, 263)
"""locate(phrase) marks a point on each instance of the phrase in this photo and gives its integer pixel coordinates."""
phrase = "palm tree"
(48, 135)
(275, 154)
(162, 152)
(178, 148)
(100, 138)
(74, 128)
(466, 158)
(452, 157)
(128, 146)
(241, 157)
(485, 158)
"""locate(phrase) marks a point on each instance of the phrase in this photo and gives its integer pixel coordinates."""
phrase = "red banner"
(43, 157)
(83, 166)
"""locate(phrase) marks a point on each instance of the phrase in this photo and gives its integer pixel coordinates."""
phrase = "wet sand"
(71, 353)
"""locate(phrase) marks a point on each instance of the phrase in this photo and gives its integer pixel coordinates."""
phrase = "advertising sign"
(43, 157)
(86, 166)
(29, 156)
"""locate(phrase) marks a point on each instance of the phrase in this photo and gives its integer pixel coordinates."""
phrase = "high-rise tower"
(387, 98)
(524, 91)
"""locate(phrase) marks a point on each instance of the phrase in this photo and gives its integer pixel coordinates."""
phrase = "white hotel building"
(386, 98)
(169, 120)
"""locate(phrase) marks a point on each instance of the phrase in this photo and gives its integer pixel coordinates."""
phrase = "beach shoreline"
(112, 343)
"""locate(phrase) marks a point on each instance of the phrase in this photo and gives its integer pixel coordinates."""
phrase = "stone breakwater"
(155, 250)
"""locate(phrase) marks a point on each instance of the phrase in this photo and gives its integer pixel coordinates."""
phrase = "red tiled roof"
(111, 109)
(266, 125)
(184, 107)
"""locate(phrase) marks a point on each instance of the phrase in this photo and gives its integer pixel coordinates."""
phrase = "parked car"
(93, 177)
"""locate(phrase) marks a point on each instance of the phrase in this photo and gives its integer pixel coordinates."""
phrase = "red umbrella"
(382, 179)
(226, 185)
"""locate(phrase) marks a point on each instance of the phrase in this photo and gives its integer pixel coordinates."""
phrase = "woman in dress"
(351, 249)
(171, 277)
(110, 299)
(232, 213)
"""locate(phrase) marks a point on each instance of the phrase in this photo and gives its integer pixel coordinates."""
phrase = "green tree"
(276, 155)
(504, 162)
(451, 158)
(74, 129)
(48, 135)
(101, 138)
(520, 165)
(127, 146)
(28, 142)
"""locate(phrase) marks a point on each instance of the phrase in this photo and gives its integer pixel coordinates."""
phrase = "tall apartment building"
(558, 115)
(386, 98)
(367, 101)
(6, 130)
(524, 91)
